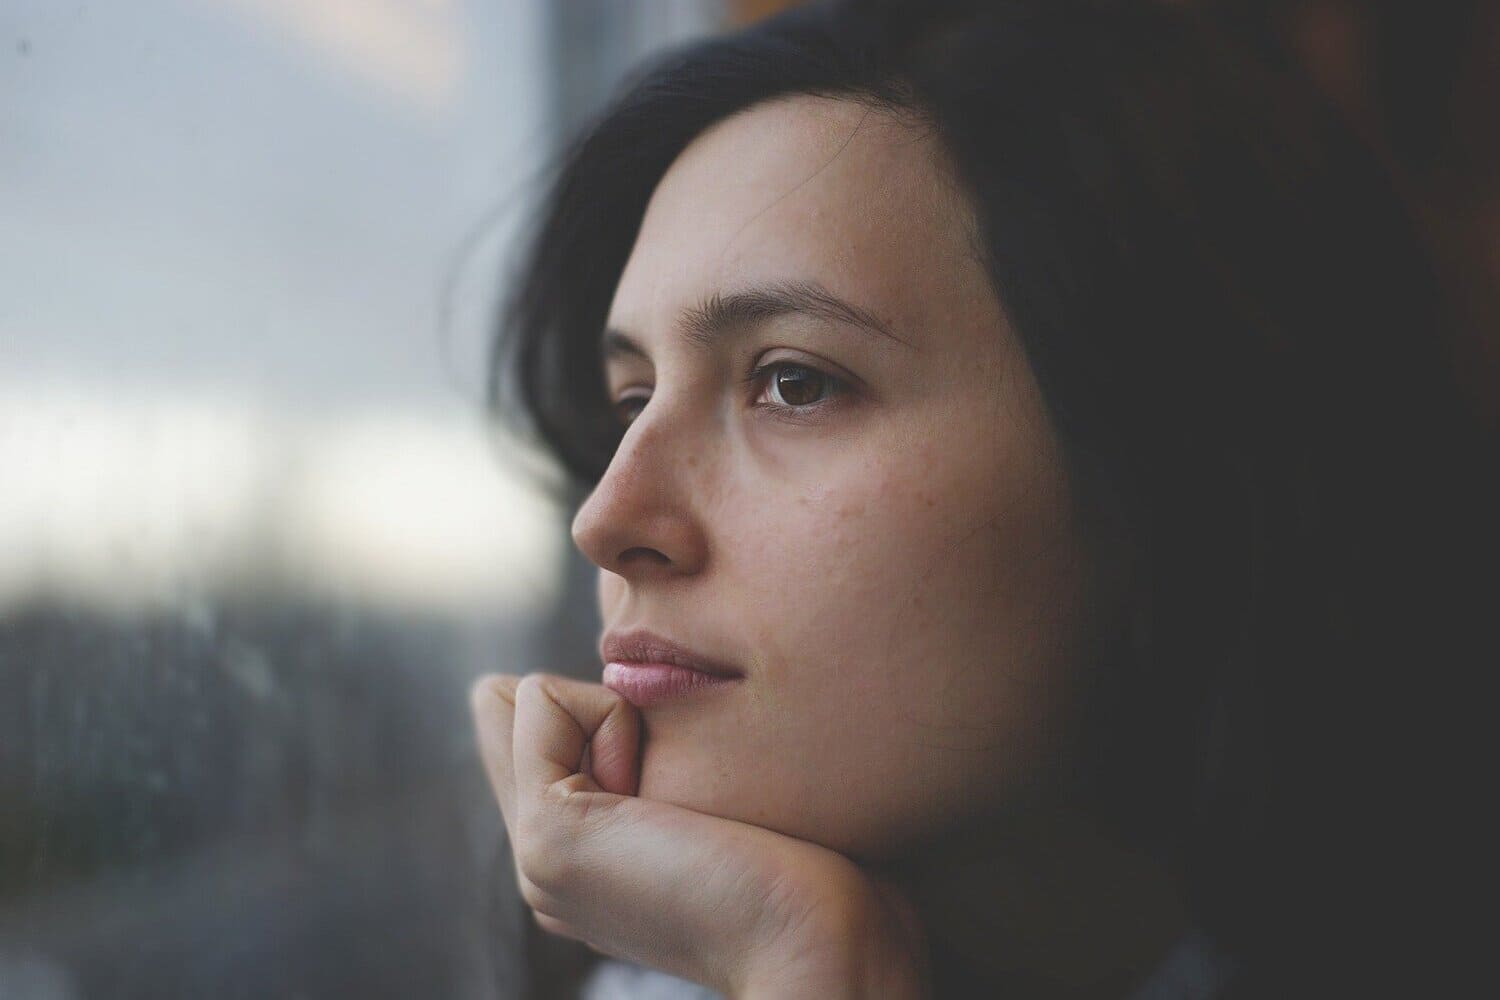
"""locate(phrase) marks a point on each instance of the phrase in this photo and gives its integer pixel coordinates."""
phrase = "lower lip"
(646, 684)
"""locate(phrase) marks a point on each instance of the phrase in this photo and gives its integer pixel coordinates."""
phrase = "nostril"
(640, 553)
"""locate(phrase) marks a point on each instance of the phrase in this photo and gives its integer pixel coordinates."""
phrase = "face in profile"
(837, 477)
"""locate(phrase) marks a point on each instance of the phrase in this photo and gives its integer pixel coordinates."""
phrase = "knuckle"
(487, 691)
(528, 686)
(541, 686)
(553, 686)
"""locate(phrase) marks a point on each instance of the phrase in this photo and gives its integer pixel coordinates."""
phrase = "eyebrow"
(704, 324)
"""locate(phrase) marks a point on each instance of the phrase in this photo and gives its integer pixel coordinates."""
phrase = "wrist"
(857, 948)
(866, 976)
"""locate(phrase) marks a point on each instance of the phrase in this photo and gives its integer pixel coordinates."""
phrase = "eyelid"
(840, 384)
(799, 359)
(839, 388)
(625, 395)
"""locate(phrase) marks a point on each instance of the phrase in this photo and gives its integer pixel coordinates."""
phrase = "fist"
(739, 908)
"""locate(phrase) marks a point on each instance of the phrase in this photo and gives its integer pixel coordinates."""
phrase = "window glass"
(255, 538)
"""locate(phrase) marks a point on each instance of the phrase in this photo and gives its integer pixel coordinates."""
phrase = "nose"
(640, 521)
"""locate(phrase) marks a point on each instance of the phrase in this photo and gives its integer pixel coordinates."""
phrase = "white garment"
(1193, 970)
(612, 979)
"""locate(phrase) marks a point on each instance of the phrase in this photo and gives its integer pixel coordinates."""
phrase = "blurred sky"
(249, 254)
(261, 195)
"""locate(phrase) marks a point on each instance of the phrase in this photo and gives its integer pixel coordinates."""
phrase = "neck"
(1041, 906)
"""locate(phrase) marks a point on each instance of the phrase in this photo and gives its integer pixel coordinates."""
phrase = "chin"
(704, 782)
(716, 785)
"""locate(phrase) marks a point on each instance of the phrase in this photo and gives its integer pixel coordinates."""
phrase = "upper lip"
(642, 646)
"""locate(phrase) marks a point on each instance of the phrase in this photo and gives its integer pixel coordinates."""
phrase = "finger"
(493, 699)
(556, 719)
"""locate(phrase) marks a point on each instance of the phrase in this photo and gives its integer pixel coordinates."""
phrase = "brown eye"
(797, 385)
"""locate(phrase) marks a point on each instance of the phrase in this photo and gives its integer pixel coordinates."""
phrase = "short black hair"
(1239, 342)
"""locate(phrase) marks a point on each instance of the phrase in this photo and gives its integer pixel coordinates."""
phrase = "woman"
(989, 412)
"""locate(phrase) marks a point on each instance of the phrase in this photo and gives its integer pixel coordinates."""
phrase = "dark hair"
(1238, 342)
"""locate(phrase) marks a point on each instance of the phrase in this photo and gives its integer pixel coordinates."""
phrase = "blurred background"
(256, 538)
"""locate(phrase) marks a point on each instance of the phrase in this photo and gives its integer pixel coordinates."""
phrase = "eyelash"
(834, 387)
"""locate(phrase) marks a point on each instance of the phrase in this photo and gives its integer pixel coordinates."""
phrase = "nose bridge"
(641, 515)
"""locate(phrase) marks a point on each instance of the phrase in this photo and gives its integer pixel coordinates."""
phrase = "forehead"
(807, 188)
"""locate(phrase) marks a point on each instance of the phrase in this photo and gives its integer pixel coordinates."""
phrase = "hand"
(742, 909)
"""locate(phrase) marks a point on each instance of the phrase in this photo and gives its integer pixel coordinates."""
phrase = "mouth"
(647, 669)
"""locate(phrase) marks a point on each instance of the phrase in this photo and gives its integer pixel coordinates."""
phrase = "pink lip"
(647, 684)
(648, 669)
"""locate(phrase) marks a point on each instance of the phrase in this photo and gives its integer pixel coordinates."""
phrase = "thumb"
(566, 728)
(613, 755)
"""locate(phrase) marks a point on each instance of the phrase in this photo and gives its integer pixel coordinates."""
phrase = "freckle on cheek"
(853, 511)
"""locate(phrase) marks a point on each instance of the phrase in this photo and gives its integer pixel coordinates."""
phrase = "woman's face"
(876, 532)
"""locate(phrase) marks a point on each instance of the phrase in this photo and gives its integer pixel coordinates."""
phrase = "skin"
(892, 561)
(894, 570)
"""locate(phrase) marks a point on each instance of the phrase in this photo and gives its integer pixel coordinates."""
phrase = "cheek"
(900, 610)
(914, 647)
(849, 581)
(811, 571)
